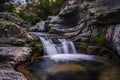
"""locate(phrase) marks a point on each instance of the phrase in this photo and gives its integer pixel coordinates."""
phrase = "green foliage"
(37, 47)
(32, 19)
(52, 31)
(37, 11)
(28, 30)
(50, 25)
(99, 39)
(6, 25)
(8, 7)
(84, 44)
(13, 18)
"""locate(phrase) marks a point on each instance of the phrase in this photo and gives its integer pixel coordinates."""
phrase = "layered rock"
(40, 26)
(86, 20)
(12, 17)
(10, 30)
(9, 58)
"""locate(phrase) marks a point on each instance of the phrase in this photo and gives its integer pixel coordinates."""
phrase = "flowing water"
(62, 62)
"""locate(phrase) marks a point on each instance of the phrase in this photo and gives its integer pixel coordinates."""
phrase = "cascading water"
(62, 62)
(59, 49)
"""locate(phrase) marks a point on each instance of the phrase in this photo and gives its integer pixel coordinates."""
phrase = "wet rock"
(102, 52)
(116, 39)
(39, 26)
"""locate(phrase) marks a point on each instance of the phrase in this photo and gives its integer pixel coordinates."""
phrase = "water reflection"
(47, 69)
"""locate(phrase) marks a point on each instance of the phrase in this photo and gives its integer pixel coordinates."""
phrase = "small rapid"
(62, 62)
(59, 49)
(57, 46)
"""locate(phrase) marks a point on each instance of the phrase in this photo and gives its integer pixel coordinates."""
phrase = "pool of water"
(65, 69)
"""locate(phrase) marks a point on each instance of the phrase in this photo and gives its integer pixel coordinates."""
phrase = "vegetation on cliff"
(39, 10)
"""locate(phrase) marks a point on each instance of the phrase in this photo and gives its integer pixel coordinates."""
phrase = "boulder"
(40, 26)
(9, 58)
(12, 33)
(12, 17)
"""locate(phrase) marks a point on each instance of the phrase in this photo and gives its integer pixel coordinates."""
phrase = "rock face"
(11, 31)
(90, 20)
(12, 17)
(8, 73)
(9, 58)
(40, 26)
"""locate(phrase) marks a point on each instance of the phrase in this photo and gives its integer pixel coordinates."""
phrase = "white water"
(71, 57)
(61, 49)
(62, 46)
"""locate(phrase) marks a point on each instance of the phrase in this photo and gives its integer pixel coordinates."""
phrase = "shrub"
(32, 19)
(40, 10)
(37, 47)
(99, 39)
(52, 31)
(84, 44)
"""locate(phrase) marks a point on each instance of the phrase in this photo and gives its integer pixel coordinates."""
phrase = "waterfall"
(62, 50)
(57, 46)
(58, 49)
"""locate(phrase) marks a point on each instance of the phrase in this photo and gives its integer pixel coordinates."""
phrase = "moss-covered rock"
(13, 18)
(9, 29)
(10, 32)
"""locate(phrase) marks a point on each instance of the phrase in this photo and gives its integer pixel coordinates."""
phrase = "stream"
(62, 62)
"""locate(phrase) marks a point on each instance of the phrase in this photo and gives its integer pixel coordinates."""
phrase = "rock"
(12, 17)
(13, 31)
(98, 51)
(14, 55)
(90, 20)
(43, 25)
(116, 39)
(11, 75)
(12, 41)
(40, 26)
(9, 58)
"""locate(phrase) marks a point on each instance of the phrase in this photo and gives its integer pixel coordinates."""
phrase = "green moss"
(52, 31)
(37, 47)
(6, 25)
(28, 30)
(99, 39)
(35, 12)
(30, 18)
(84, 44)
(13, 18)
(7, 29)
(50, 25)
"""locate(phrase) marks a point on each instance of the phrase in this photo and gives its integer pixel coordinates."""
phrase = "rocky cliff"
(11, 29)
(92, 21)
